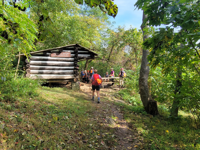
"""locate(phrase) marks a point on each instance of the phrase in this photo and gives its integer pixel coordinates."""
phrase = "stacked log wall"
(42, 66)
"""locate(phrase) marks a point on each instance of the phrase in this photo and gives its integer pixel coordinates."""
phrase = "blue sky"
(127, 15)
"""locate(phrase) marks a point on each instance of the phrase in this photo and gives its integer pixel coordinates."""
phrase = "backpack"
(124, 74)
(91, 71)
(96, 80)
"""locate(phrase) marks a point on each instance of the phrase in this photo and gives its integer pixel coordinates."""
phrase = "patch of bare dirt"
(110, 116)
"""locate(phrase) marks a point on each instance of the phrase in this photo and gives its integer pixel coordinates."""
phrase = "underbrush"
(11, 88)
(162, 132)
(130, 97)
(56, 118)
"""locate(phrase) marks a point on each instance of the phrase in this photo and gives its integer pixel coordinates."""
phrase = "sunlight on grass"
(58, 119)
(162, 132)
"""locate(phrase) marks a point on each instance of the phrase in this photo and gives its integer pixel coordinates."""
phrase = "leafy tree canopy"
(107, 6)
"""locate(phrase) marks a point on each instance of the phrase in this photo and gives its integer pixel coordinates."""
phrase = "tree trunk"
(17, 66)
(110, 55)
(150, 105)
(110, 52)
(176, 102)
(86, 64)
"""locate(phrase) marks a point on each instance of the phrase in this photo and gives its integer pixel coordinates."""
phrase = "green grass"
(58, 118)
(160, 132)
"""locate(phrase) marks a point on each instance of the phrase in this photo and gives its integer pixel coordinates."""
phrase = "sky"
(127, 15)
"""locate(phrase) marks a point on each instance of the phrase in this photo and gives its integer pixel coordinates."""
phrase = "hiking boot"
(98, 102)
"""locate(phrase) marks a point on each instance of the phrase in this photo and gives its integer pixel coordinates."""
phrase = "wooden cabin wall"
(41, 65)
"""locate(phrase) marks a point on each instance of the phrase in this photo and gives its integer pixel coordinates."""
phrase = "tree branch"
(196, 69)
(194, 47)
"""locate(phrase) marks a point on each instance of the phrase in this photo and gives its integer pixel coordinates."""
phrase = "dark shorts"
(94, 87)
(91, 75)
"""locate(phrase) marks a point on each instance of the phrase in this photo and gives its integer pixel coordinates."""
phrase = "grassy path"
(59, 118)
(113, 118)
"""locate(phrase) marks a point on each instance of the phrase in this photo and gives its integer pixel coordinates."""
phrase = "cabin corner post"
(75, 83)
(75, 63)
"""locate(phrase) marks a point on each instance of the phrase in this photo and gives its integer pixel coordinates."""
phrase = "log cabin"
(59, 64)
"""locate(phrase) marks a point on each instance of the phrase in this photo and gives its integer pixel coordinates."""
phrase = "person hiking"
(107, 75)
(88, 75)
(96, 83)
(82, 74)
(85, 76)
(122, 74)
(112, 73)
(91, 71)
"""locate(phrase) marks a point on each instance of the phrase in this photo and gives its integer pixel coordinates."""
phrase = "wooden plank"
(40, 54)
(84, 55)
(51, 63)
(52, 71)
(34, 67)
(80, 52)
(50, 76)
(62, 54)
(51, 58)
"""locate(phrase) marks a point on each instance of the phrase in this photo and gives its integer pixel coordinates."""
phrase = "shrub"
(12, 88)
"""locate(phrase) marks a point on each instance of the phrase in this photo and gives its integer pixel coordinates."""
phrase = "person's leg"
(93, 90)
(93, 95)
(98, 93)
(120, 82)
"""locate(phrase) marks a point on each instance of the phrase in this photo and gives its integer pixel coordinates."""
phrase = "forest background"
(173, 57)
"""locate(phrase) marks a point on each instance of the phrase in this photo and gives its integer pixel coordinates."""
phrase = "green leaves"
(79, 1)
(17, 34)
(107, 6)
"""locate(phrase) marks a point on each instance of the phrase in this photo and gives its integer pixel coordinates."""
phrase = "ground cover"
(58, 118)
(159, 132)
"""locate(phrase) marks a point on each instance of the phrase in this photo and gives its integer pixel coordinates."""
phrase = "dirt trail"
(104, 114)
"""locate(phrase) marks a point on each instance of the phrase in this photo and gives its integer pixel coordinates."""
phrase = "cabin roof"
(61, 47)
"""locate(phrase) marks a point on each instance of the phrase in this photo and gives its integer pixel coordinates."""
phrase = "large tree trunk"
(149, 105)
